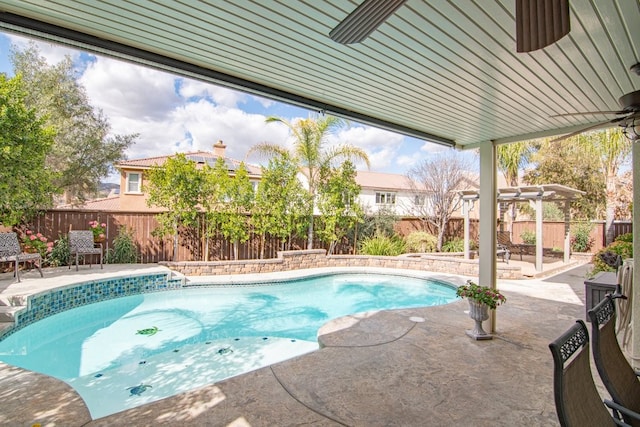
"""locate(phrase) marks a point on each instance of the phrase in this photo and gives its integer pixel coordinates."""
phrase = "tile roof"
(382, 181)
(160, 160)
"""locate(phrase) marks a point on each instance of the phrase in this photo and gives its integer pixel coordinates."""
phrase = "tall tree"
(175, 186)
(238, 199)
(310, 153)
(338, 205)
(435, 183)
(612, 149)
(83, 151)
(574, 163)
(25, 180)
(281, 203)
(512, 158)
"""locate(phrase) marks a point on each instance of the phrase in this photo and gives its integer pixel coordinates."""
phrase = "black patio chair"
(617, 375)
(578, 403)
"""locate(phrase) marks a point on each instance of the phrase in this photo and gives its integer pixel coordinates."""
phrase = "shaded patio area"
(401, 367)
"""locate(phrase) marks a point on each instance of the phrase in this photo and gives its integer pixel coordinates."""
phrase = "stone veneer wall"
(317, 258)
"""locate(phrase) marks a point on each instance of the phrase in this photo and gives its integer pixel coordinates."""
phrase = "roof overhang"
(442, 71)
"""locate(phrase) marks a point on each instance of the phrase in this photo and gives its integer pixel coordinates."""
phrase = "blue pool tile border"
(54, 301)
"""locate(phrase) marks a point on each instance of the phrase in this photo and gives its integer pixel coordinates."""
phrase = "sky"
(174, 114)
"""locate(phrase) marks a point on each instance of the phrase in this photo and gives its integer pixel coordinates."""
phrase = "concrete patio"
(402, 367)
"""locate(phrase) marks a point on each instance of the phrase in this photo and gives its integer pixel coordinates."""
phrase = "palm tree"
(310, 153)
(611, 148)
(511, 159)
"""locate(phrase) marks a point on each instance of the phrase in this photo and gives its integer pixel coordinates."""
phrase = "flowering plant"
(98, 229)
(481, 294)
(36, 242)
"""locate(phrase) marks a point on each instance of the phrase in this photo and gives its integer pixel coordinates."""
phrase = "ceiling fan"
(539, 23)
(628, 117)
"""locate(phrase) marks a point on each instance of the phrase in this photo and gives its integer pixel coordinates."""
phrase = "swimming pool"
(128, 351)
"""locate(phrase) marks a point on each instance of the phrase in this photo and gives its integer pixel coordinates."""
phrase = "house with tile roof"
(132, 198)
(397, 193)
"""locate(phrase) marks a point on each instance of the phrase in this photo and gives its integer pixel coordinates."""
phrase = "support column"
(466, 206)
(567, 231)
(488, 221)
(635, 303)
(539, 236)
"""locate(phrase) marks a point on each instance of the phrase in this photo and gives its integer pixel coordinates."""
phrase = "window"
(419, 200)
(385, 198)
(133, 182)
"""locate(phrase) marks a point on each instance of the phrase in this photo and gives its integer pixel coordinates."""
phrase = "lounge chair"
(577, 400)
(81, 243)
(617, 375)
(10, 252)
(504, 241)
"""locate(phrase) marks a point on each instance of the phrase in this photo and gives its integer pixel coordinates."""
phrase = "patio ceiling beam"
(49, 32)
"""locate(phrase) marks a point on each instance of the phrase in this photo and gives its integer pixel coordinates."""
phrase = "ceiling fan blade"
(364, 20)
(540, 23)
(588, 128)
(587, 113)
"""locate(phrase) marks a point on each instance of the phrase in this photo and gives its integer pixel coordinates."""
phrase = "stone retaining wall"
(317, 258)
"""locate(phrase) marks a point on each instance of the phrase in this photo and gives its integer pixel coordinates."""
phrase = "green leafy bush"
(382, 245)
(454, 245)
(60, 255)
(628, 237)
(528, 237)
(581, 241)
(124, 250)
(421, 241)
(622, 248)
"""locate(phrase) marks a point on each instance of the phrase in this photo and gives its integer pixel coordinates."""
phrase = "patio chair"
(577, 400)
(504, 241)
(617, 375)
(10, 251)
(81, 243)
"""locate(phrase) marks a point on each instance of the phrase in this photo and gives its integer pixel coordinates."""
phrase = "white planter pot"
(479, 313)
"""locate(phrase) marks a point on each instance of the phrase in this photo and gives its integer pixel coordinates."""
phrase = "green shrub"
(60, 255)
(382, 245)
(421, 241)
(528, 237)
(124, 250)
(581, 241)
(622, 248)
(628, 237)
(454, 245)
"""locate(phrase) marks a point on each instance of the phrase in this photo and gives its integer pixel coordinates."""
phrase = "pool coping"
(283, 394)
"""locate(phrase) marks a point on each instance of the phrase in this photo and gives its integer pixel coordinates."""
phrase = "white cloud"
(123, 89)
(380, 145)
(189, 88)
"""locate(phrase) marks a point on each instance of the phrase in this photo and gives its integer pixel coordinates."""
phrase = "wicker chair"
(81, 243)
(616, 373)
(577, 400)
(10, 252)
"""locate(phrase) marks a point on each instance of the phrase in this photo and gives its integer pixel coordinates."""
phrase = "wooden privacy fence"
(553, 232)
(56, 223)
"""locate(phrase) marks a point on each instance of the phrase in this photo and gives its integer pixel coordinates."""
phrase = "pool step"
(7, 313)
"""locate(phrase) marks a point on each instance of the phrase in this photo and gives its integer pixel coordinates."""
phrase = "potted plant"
(98, 230)
(33, 243)
(481, 300)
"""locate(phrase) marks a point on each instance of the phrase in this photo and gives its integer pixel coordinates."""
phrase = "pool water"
(125, 352)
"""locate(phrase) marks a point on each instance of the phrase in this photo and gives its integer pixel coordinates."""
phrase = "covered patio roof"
(446, 71)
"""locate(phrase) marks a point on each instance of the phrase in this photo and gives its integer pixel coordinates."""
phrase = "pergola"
(535, 195)
(445, 71)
